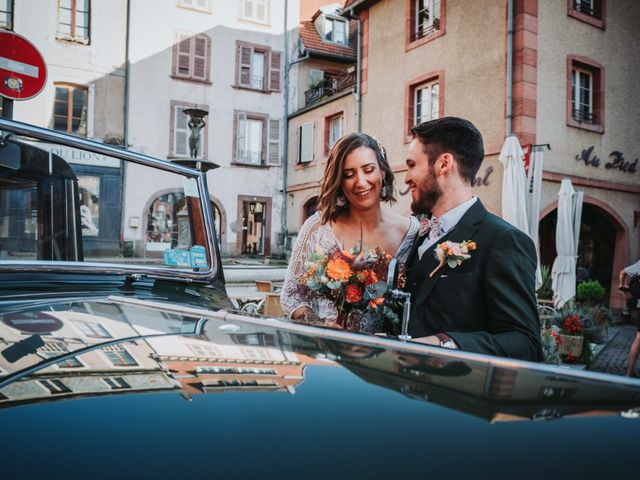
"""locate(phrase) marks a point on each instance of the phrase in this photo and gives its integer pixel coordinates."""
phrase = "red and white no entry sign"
(23, 72)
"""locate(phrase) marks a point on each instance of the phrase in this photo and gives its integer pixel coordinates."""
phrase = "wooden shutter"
(275, 72)
(183, 63)
(200, 57)
(181, 132)
(244, 55)
(273, 155)
(306, 143)
(241, 137)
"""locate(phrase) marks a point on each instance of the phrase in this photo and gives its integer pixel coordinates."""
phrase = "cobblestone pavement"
(613, 357)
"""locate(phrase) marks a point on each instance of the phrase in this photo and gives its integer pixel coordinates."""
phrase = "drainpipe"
(285, 146)
(126, 77)
(509, 63)
(352, 16)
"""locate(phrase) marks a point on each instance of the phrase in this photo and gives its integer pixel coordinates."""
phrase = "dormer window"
(335, 30)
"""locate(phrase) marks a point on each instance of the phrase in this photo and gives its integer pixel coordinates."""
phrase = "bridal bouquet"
(353, 279)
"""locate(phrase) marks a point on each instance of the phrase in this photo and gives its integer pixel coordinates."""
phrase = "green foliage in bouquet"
(591, 292)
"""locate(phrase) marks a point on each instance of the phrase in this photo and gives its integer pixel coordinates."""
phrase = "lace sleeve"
(292, 296)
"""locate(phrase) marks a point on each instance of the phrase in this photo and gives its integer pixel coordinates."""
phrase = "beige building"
(322, 102)
(570, 85)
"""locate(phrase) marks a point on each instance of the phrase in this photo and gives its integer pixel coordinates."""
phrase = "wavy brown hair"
(331, 189)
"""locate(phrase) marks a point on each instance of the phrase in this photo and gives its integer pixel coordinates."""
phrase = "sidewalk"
(613, 356)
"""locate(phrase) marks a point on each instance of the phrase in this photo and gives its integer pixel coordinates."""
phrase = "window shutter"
(244, 62)
(180, 132)
(184, 56)
(274, 72)
(273, 156)
(306, 143)
(200, 57)
(241, 137)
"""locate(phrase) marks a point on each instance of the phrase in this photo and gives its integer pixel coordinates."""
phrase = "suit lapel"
(465, 229)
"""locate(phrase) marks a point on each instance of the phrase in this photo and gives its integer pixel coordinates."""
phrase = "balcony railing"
(424, 30)
(583, 115)
(328, 87)
(582, 7)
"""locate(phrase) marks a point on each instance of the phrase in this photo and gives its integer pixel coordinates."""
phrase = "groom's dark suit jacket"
(488, 303)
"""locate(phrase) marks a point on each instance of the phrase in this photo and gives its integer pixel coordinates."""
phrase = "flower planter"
(571, 345)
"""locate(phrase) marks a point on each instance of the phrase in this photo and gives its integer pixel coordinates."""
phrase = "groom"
(487, 303)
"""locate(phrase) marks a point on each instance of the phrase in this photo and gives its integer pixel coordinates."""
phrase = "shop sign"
(617, 161)
(79, 157)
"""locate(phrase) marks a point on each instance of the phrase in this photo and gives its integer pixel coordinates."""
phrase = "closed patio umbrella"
(563, 273)
(520, 207)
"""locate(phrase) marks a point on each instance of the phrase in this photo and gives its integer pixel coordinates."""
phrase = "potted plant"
(571, 338)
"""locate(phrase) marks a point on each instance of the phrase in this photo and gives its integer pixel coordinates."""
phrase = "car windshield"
(62, 204)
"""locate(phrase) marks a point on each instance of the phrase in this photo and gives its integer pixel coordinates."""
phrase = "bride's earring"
(383, 191)
(341, 201)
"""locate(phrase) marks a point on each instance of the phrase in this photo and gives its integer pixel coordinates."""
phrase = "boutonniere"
(452, 254)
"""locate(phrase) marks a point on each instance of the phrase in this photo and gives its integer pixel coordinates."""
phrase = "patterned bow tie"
(430, 225)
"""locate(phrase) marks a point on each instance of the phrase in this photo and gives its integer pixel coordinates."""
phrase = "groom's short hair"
(456, 136)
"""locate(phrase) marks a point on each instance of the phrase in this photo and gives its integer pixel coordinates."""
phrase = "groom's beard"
(428, 195)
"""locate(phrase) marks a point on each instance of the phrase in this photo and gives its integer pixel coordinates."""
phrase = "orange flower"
(353, 293)
(376, 301)
(348, 254)
(471, 245)
(370, 277)
(338, 269)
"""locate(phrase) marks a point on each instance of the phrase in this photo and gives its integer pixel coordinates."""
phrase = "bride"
(357, 179)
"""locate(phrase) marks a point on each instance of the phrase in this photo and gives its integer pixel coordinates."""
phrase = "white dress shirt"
(447, 222)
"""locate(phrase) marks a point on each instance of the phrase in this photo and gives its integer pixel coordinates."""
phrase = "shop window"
(6, 14)
(73, 20)
(70, 109)
(425, 21)
(191, 58)
(258, 11)
(54, 386)
(585, 94)
(588, 11)
(258, 67)
(116, 383)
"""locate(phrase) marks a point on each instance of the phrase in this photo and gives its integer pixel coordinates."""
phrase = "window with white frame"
(582, 95)
(118, 356)
(426, 17)
(257, 139)
(6, 14)
(204, 350)
(585, 6)
(73, 20)
(92, 329)
(258, 67)
(70, 109)
(335, 30)
(305, 143)
(255, 10)
(426, 102)
(203, 5)
(54, 386)
(191, 57)
(335, 130)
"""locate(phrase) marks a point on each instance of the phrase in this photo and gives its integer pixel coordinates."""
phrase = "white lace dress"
(314, 234)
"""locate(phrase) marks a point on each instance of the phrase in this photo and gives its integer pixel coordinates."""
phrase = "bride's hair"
(329, 204)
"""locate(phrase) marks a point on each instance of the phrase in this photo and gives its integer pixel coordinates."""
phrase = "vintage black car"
(124, 359)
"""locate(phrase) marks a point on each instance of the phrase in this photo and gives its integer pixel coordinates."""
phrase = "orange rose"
(353, 293)
(471, 245)
(370, 277)
(338, 269)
